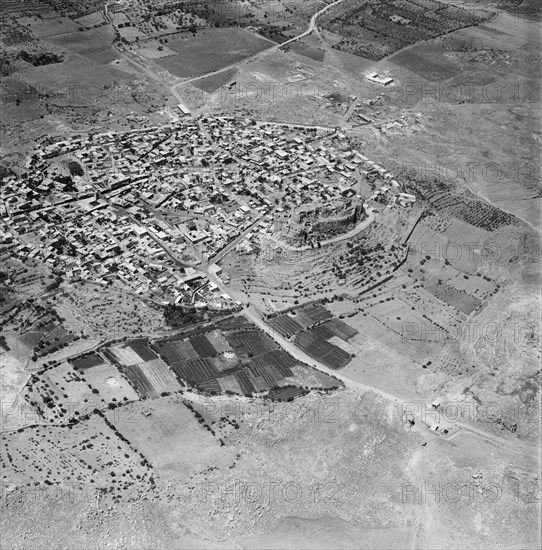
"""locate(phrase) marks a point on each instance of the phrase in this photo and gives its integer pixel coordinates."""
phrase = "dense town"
(152, 208)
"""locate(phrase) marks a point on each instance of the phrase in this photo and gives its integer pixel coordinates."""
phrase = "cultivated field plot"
(195, 370)
(336, 327)
(92, 44)
(169, 436)
(250, 343)
(285, 325)
(312, 344)
(471, 210)
(244, 360)
(434, 310)
(141, 347)
(484, 37)
(95, 18)
(88, 452)
(176, 350)
(50, 27)
(230, 384)
(317, 313)
(125, 355)
(281, 362)
(286, 394)
(375, 29)
(458, 299)
(87, 361)
(139, 381)
(211, 50)
(308, 50)
(427, 61)
(160, 376)
(452, 361)
(218, 341)
(202, 346)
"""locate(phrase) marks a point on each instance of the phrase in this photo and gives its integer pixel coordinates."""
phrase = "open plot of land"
(61, 394)
(112, 387)
(230, 384)
(95, 18)
(167, 433)
(51, 27)
(77, 81)
(88, 452)
(451, 361)
(429, 62)
(132, 34)
(417, 345)
(93, 44)
(150, 49)
(211, 50)
(210, 84)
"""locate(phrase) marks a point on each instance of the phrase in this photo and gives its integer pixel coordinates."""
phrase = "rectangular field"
(167, 433)
(202, 346)
(195, 370)
(312, 344)
(249, 343)
(112, 387)
(211, 50)
(160, 376)
(284, 325)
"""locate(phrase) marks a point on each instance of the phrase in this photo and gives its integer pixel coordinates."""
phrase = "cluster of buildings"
(151, 208)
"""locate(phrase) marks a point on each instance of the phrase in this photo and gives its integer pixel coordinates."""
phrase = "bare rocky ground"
(342, 470)
(346, 456)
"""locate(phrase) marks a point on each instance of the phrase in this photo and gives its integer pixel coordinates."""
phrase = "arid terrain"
(270, 274)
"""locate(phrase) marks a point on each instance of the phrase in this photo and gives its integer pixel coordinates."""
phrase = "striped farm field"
(176, 351)
(203, 347)
(141, 347)
(319, 348)
(195, 370)
(160, 376)
(139, 381)
(285, 325)
(244, 382)
(252, 342)
(317, 313)
(125, 355)
(278, 359)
